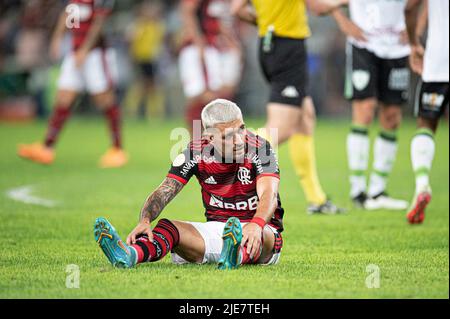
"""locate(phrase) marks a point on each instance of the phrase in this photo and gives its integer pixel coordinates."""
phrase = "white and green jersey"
(436, 65)
(383, 23)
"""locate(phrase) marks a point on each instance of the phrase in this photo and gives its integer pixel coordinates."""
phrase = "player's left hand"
(252, 236)
(80, 57)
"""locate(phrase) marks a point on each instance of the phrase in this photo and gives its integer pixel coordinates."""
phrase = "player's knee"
(308, 112)
(392, 123)
(391, 118)
(104, 100)
(268, 246)
(65, 99)
(281, 132)
(191, 246)
(363, 120)
(364, 111)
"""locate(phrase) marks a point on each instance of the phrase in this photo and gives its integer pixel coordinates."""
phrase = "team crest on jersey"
(244, 176)
(360, 79)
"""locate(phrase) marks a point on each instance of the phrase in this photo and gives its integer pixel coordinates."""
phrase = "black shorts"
(148, 70)
(432, 100)
(369, 76)
(285, 68)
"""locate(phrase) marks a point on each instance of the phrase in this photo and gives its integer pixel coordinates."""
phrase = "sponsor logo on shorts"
(399, 79)
(290, 92)
(360, 79)
(432, 101)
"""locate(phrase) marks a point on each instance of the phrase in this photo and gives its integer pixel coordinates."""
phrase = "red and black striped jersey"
(213, 16)
(82, 14)
(229, 189)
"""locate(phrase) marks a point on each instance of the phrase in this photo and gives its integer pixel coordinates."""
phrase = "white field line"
(23, 194)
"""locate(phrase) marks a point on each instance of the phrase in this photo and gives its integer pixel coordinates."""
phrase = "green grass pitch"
(323, 256)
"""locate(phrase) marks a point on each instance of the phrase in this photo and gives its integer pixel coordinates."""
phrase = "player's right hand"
(143, 228)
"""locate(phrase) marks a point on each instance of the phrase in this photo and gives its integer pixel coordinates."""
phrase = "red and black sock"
(56, 123)
(165, 238)
(113, 116)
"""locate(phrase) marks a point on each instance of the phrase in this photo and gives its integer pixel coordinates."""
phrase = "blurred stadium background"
(28, 78)
(324, 257)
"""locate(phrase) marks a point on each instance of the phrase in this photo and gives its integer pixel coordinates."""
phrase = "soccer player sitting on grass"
(239, 175)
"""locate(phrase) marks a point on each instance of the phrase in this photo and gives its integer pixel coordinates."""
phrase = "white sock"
(358, 147)
(385, 152)
(422, 155)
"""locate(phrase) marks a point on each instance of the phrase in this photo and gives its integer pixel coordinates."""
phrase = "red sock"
(113, 116)
(56, 123)
(165, 238)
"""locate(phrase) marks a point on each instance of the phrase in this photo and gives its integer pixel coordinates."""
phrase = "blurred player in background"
(283, 30)
(432, 99)
(210, 59)
(377, 78)
(239, 176)
(89, 67)
(147, 40)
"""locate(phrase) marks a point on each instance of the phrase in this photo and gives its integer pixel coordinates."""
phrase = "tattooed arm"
(159, 199)
(153, 207)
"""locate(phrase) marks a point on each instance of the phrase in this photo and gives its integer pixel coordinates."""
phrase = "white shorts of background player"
(97, 75)
(218, 69)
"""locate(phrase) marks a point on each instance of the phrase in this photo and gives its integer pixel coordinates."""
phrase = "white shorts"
(212, 233)
(216, 70)
(97, 74)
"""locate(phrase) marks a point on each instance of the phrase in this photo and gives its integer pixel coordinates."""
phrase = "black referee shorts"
(285, 68)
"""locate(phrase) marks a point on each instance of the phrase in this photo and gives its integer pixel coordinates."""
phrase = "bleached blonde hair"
(220, 111)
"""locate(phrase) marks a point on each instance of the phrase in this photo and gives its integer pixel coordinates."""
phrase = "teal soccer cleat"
(119, 254)
(232, 238)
